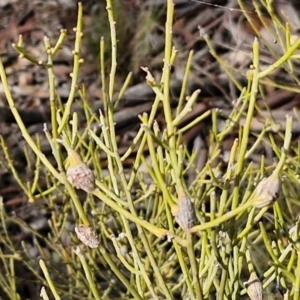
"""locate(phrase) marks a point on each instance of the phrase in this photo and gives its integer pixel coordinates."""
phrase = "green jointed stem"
(75, 72)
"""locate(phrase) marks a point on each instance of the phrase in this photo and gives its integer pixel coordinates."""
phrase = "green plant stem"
(119, 274)
(118, 163)
(159, 232)
(28, 56)
(184, 268)
(143, 237)
(228, 176)
(286, 144)
(192, 124)
(12, 279)
(224, 279)
(216, 222)
(160, 180)
(268, 243)
(247, 126)
(59, 176)
(194, 269)
(53, 106)
(287, 55)
(88, 274)
(158, 277)
(171, 130)
(288, 251)
(184, 83)
(75, 72)
(59, 43)
(127, 265)
(23, 128)
(213, 234)
(13, 169)
(49, 280)
(187, 108)
(108, 130)
(113, 36)
(296, 287)
(251, 222)
(140, 150)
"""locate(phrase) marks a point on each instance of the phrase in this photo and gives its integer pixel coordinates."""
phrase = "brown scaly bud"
(78, 174)
(184, 212)
(87, 235)
(266, 191)
(254, 287)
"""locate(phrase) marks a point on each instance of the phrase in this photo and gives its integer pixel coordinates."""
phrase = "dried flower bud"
(78, 174)
(254, 287)
(87, 235)
(184, 213)
(266, 191)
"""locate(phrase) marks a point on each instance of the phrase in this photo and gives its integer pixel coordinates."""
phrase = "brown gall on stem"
(87, 235)
(266, 191)
(78, 174)
(184, 213)
(254, 287)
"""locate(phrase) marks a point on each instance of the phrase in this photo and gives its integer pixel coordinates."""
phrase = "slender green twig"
(75, 71)
(253, 76)
(120, 275)
(287, 55)
(88, 274)
(49, 280)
